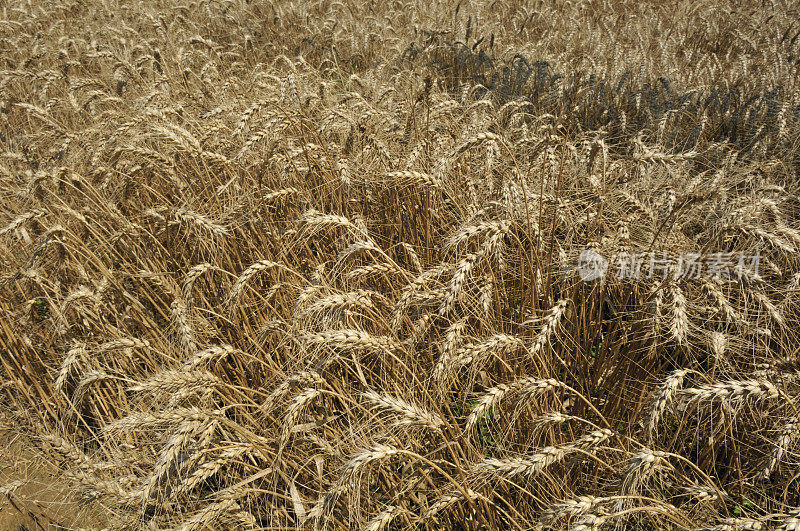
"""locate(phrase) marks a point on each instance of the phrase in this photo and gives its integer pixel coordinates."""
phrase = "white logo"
(591, 265)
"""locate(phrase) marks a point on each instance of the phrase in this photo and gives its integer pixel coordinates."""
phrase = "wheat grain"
(217, 352)
(447, 500)
(180, 318)
(190, 279)
(640, 467)
(531, 465)
(300, 402)
(661, 399)
(209, 515)
(547, 330)
(247, 275)
(407, 413)
(787, 436)
(733, 390)
(462, 273)
(364, 459)
(680, 322)
(589, 522)
(70, 365)
(177, 380)
(347, 339)
(384, 518)
(498, 344)
(573, 507)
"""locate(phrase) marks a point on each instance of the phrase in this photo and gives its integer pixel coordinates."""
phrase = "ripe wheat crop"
(322, 265)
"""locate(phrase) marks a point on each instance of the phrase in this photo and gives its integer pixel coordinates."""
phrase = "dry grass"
(313, 265)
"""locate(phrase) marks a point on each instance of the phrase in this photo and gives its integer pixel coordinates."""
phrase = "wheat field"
(403, 265)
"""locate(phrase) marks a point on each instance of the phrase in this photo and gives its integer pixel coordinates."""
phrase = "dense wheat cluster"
(317, 264)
